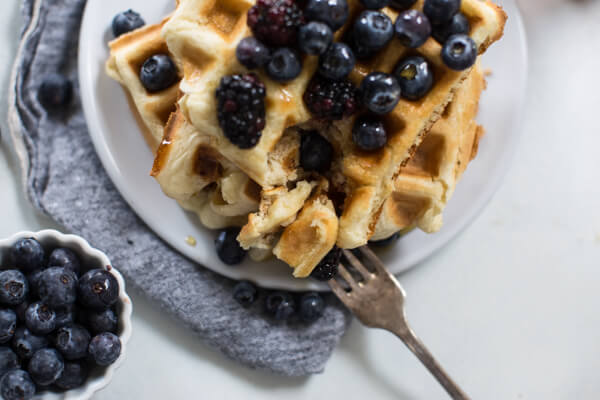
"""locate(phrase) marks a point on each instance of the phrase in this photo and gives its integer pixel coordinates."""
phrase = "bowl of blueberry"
(65, 318)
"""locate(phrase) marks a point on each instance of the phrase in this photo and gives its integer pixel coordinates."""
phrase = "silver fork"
(377, 299)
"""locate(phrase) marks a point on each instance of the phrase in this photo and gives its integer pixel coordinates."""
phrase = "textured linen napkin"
(65, 180)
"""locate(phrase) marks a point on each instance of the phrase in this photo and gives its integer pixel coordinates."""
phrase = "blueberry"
(328, 266)
(72, 341)
(375, 4)
(402, 5)
(252, 54)
(385, 242)
(415, 77)
(40, 318)
(17, 385)
(20, 309)
(315, 37)
(311, 306)
(98, 289)
(372, 30)
(332, 12)
(65, 315)
(25, 343)
(73, 376)
(316, 152)
(8, 360)
(337, 62)
(369, 134)
(13, 287)
(45, 366)
(28, 255)
(280, 305)
(34, 282)
(102, 321)
(459, 52)
(412, 28)
(380, 92)
(8, 325)
(285, 65)
(458, 24)
(65, 258)
(55, 91)
(441, 11)
(57, 287)
(245, 293)
(105, 348)
(158, 73)
(126, 21)
(228, 248)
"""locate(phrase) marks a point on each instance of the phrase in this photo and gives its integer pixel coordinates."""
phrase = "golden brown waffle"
(203, 34)
(426, 184)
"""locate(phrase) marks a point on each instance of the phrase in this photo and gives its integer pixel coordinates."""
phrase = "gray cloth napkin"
(65, 180)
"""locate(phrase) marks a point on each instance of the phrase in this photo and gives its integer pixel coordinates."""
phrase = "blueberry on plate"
(55, 91)
(105, 348)
(45, 366)
(28, 255)
(13, 287)
(385, 242)
(65, 314)
(280, 305)
(315, 37)
(316, 152)
(8, 360)
(57, 287)
(25, 343)
(380, 92)
(102, 321)
(402, 5)
(328, 266)
(126, 21)
(66, 258)
(285, 65)
(73, 376)
(332, 12)
(458, 24)
(372, 30)
(40, 318)
(369, 134)
(412, 28)
(441, 11)
(415, 77)
(311, 306)
(375, 4)
(228, 248)
(251, 53)
(158, 73)
(337, 62)
(245, 293)
(459, 52)
(98, 289)
(72, 341)
(17, 385)
(8, 325)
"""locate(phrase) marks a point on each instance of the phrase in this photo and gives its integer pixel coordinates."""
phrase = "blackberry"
(275, 22)
(331, 100)
(328, 267)
(241, 109)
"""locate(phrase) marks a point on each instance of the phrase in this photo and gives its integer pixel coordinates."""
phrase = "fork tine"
(373, 259)
(355, 262)
(347, 276)
(339, 291)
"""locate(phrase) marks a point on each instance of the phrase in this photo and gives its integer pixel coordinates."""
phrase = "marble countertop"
(510, 307)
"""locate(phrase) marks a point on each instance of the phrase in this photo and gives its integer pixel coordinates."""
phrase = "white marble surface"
(510, 307)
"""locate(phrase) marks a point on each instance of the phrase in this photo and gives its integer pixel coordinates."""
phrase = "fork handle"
(418, 348)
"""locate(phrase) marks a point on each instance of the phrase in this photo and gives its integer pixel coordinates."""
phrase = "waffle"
(427, 182)
(203, 35)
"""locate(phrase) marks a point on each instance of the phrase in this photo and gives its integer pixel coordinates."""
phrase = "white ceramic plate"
(125, 156)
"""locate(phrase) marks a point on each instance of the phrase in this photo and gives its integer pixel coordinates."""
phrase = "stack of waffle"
(282, 209)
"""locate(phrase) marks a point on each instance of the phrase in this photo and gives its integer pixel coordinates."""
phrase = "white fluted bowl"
(90, 258)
